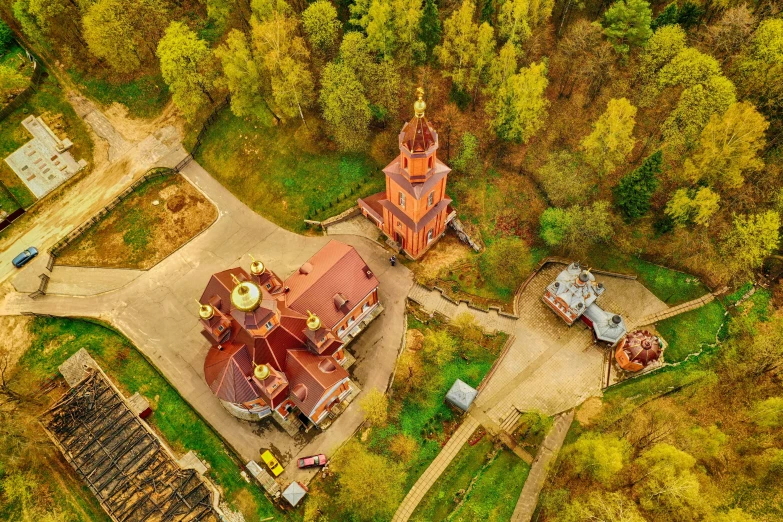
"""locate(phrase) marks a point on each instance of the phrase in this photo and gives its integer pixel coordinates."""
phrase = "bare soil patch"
(447, 252)
(16, 339)
(589, 410)
(160, 217)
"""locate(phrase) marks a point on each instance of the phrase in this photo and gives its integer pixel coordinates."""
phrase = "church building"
(278, 346)
(414, 210)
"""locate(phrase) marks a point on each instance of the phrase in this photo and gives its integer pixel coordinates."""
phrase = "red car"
(312, 461)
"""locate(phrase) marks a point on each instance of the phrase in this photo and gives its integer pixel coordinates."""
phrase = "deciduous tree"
(505, 262)
(563, 178)
(10, 79)
(694, 109)
(242, 75)
(321, 25)
(404, 447)
(518, 18)
(635, 190)
(601, 506)
(439, 347)
(627, 24)
(382, 36)
(518, 106)
(284, 54)
(612, 137)
(467, 48)
(768, 413)
(375, 405)
(370, 485)
(729, 147)
(597, 457)
(752, 239)
(666, 43)
(577, 228)
(693, 206)
(667, 486)
(187, 67)
(344, 106)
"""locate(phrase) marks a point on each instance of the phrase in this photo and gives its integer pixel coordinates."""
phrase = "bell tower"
(414, 210)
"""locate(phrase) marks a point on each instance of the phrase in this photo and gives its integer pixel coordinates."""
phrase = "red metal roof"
(310, 380)
(336, 268)
(226, 372)
(417, 135)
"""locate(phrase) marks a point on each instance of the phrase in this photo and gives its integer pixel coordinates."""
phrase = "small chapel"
(414, 210)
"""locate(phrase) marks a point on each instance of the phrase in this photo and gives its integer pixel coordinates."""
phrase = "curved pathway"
(157, 311)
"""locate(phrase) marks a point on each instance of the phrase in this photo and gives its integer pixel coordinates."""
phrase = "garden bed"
(153, 222)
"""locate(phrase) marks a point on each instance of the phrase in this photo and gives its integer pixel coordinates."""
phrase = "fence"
(41, 287)
(81, 229)
(10, 218)
(22, 97)
(207, 123)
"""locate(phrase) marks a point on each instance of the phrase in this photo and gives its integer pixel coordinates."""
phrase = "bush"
(375, 406)
(768, 413)
(505, 262)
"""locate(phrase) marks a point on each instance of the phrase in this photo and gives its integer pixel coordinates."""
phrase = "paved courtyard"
(157, 311)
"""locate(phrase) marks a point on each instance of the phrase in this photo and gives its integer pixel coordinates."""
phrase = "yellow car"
(272, 463)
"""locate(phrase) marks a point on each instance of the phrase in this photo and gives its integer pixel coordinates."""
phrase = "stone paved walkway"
(430, 476)
(677, 310)
(528, 499)
(433, 301)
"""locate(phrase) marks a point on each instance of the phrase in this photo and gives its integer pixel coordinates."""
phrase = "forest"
(571, 125)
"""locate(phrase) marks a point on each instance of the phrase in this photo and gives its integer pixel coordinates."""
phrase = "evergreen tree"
(627, 24)
(633, 193)
(668, 16)
(430, 28)
(6, 37)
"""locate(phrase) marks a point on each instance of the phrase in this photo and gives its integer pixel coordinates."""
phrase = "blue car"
(25, 257)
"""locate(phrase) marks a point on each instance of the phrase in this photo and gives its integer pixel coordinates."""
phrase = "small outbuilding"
(294, 493)
(637, 350)
(461, 395)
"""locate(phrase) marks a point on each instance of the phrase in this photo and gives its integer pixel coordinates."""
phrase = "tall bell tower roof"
(417, 135)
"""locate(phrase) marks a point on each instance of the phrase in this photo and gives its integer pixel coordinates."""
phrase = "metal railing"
(200, 137)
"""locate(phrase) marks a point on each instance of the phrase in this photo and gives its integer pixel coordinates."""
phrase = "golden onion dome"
(256, 267)
(313, 322)
(261, 371)
(246, 295)
(419, 105)
(205, 311)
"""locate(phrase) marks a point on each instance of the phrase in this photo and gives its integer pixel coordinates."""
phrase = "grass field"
(284, 176)
(50, 103)
(144, 97)
(54, 340)
(157, 219)
(687, 333)
(483, 482)
(670, 286)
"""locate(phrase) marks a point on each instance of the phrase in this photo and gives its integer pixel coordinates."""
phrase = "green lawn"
(144, 97)
(423, 417)
(486, 481)
(49, 101)
(687, 333)
(284, 176)
(670, 286)
(54, 340)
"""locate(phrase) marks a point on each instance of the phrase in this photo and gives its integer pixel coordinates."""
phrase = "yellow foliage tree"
(729, 147)
(689, 206)
(375, 405)
(612, 137)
